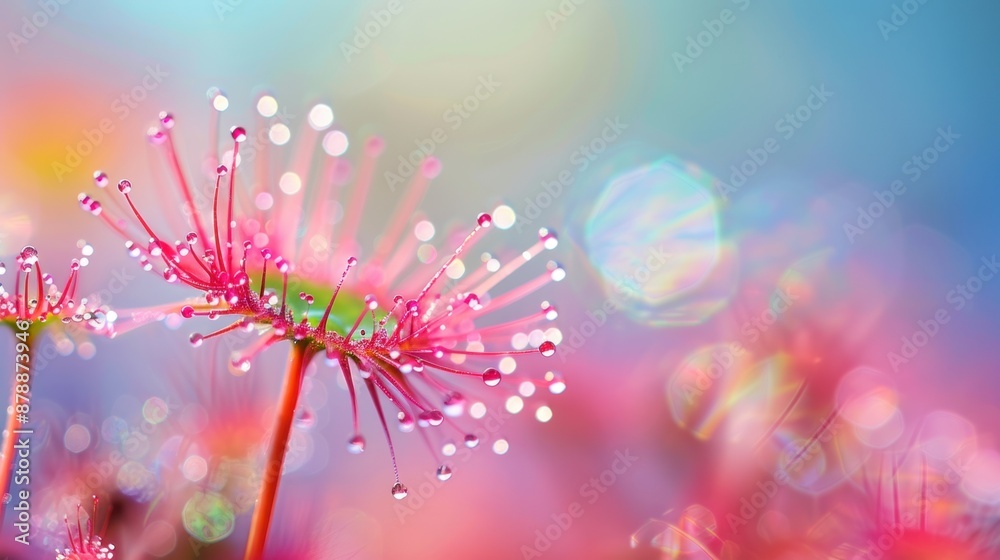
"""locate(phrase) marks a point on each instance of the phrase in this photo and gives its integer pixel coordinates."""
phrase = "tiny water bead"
(547, 348)
(239, 133)
(555, 381)
(29, 255)
(485, 220)
(124, 186)
(399, 491)
(90, 205)
(454, 405)
(101, 179)
(444, 472)
(491, 377)
(406, 422)
(156, 136)
(166, 119)
(356, 444)
(240, 364)
(548, 238)
(549, 311)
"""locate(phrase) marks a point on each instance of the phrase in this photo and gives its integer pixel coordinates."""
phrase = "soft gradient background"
(560, 80)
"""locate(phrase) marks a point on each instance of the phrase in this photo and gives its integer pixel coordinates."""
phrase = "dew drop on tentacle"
(443, 472)
(485, 220)
(222, 171)
(167, 120)
(548, 238)
(100, 179)
(454, 405)
(549, 311)
(124, 186)
(356, 444)
(547, 348)
(90, 205)
(239, 133)
(491, 377)
(196, 340)
(406, 422)
(432, 418)
(399, 491)
(240, 363)
(217, 98)
(555, 381)
(471, 441)
(557, 272)
(156, 136)
(29, 255)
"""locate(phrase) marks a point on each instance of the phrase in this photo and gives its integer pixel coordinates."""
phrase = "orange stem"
(297, 360)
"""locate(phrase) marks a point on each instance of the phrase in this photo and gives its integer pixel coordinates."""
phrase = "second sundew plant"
(35, 304)
(285, 265)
